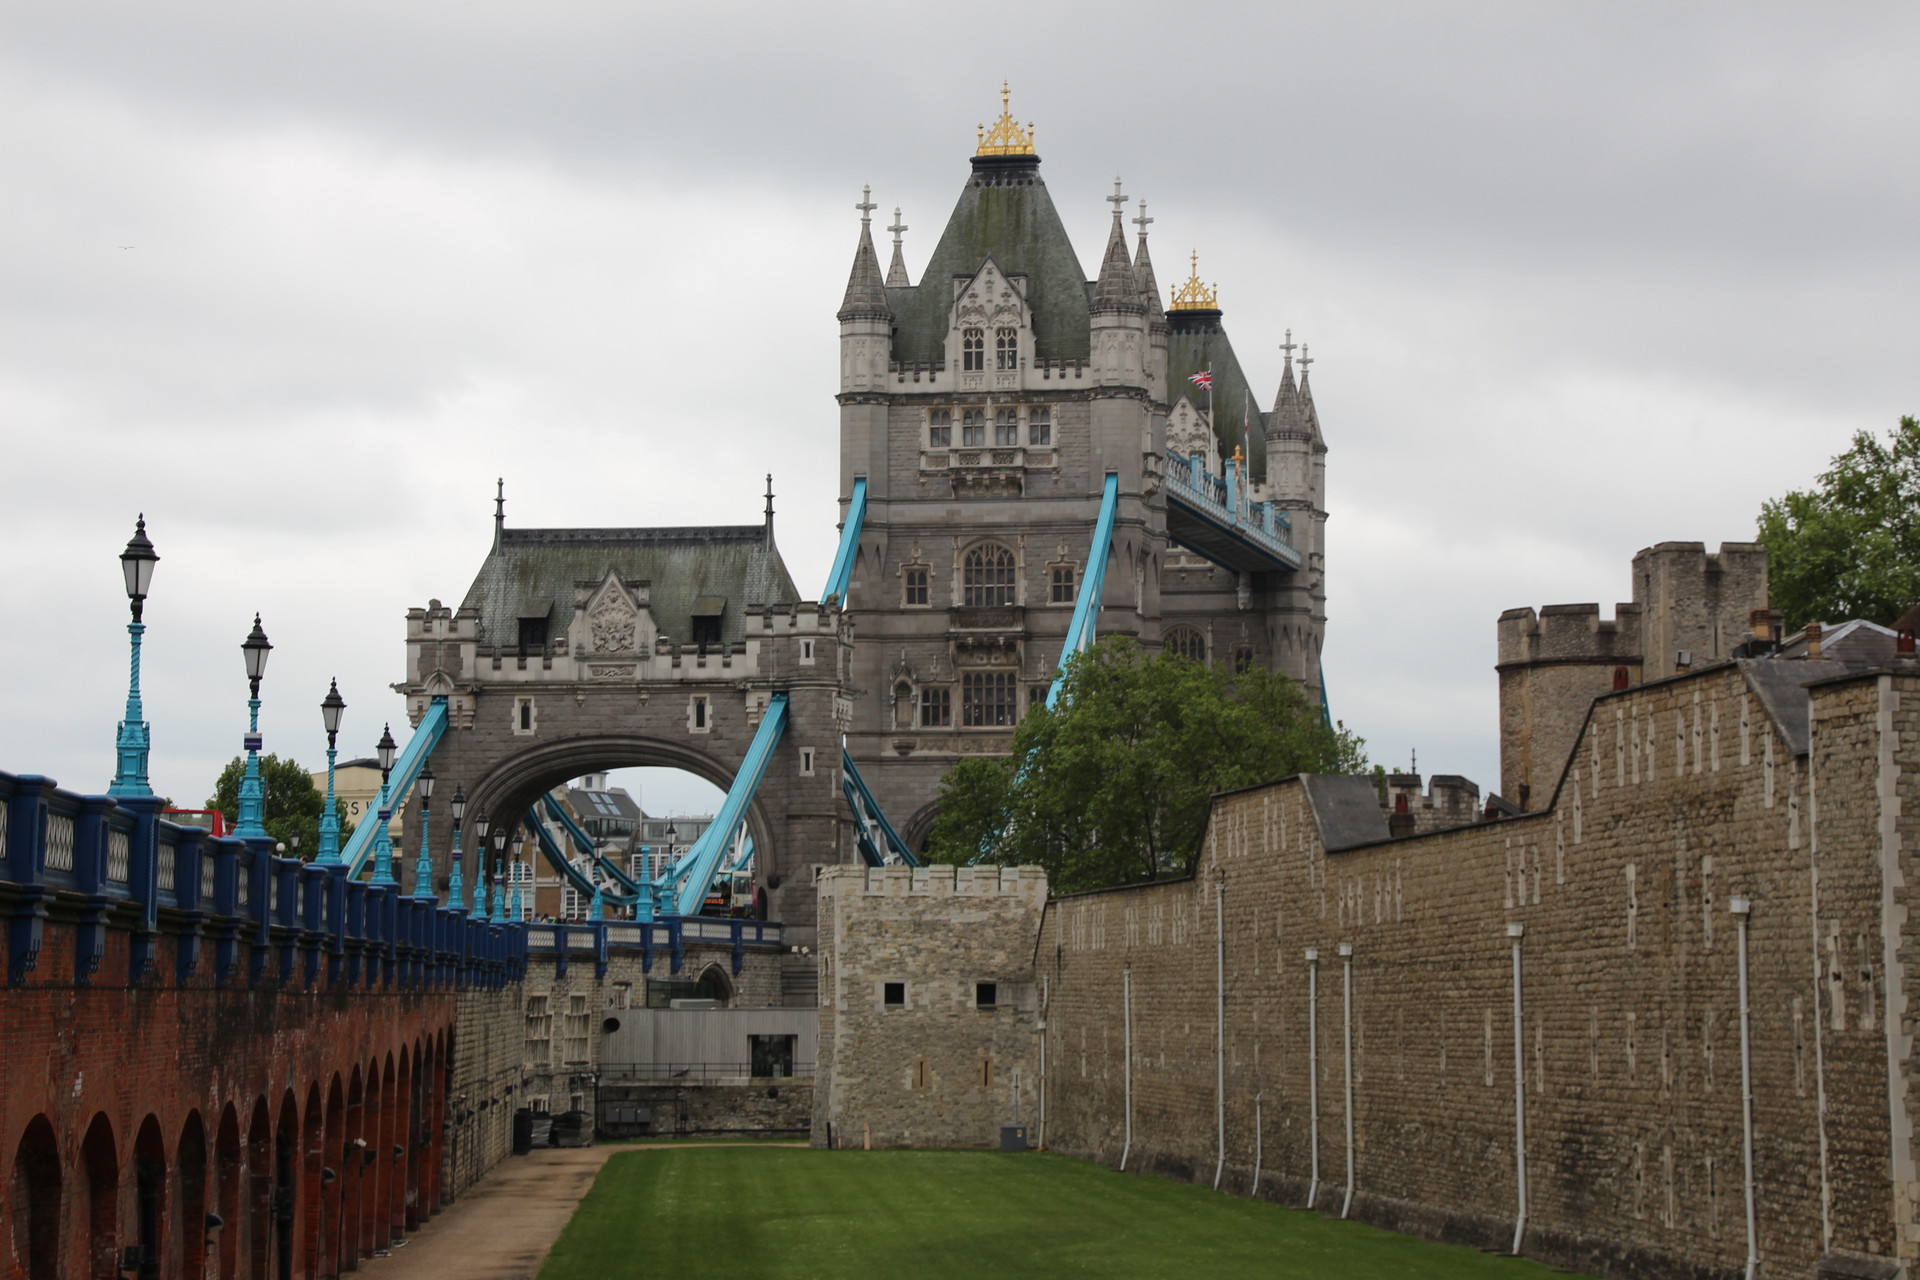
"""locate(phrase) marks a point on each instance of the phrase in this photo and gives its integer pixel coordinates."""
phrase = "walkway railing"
(668, 937)
(229, 908)
(1223, 500)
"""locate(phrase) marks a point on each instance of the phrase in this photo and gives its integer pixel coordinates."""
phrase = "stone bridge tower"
(578, 650)
(984, 407)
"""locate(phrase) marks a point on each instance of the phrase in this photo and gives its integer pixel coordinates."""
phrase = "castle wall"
(1682, 794)
(936, 1069)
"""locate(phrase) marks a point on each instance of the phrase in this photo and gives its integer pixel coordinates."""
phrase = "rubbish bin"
(1013, 1137)
(522, 1131)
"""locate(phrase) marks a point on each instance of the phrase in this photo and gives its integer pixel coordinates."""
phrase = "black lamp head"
(458, 806)
(481, 827)
(330, 708)
(137, 561)
(386, 748)
(425, 783)
(255, 649)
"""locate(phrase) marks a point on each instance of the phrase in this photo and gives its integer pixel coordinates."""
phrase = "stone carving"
(612, 623)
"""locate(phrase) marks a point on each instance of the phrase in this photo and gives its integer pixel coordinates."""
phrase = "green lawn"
(774, 1213)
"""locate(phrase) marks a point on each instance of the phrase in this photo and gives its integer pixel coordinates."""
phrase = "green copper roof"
(1004, 213)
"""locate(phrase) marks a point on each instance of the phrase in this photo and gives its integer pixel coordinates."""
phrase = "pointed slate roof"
(866, 291)
(1116, 289)
(1289, 412)
(1003, 213)
(1143, 278)
(897, 269)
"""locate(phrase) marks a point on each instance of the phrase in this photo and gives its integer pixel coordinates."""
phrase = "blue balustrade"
(115, 864)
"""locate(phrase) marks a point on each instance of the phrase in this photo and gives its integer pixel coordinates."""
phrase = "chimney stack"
(1813, 641)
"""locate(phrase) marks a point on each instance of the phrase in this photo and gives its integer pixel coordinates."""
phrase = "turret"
(1119, 317)
(866, 320)
(1157, 330)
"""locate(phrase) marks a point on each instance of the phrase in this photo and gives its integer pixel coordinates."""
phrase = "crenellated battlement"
(1029, 883)
(1570, 633)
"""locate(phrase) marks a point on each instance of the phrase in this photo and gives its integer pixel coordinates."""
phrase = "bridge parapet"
(205, 910)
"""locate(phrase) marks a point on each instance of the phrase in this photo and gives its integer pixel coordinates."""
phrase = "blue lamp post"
(382, 838)
(519, 839)
(480, 827)
(499, 908)
(331, 707)
(598, 911)
(253, 795)
(456, 889)
(423, 868)
(136, 562)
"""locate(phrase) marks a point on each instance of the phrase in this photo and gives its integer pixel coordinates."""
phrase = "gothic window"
(973, 427)
(1061, 590)
(940, 429)
(1006, 349)
(915, 578)
(1040, 425)
(987, 698)
(1243, 659)
(987, 577)
(973, 350)
(1184, 642)
(936, 708)
(1006, 427)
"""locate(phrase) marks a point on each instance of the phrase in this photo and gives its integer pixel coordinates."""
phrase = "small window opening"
(806, 762)
(973, 428)
(706, 630)
(986, 1073)
(1006, 349)
(940, 429)
(806, 651)
(699, 713)
(533, 635)
(920, 1073)
(986, 994)
(1062, 588)
(936, 708)
(894, 995)
(1006, 427)
(916, 585)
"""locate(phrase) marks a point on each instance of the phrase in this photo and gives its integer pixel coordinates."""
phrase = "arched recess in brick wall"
(259, 1193)
(371, 1128)
(416, 1146)
(713, 984)
(380, 1216)
(312, 1142)
(353, 1164)
(333, 1184)
(286, 1185)
(35, 1202)
(189, 1222)
(227, 1191)
(100, 1158)
(396, 1206)
(151, 1203)
(436, 1115)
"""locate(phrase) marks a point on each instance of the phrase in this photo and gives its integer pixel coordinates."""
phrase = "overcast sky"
(299, 282)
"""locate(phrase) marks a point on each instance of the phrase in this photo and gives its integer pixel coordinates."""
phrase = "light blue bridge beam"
(841, 575)
(1086, 608)
(584, 844)
(557, 859)
(406, 769)
(703, 861)
(880, 845)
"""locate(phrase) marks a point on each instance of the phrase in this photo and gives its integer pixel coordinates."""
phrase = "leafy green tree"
(294, 804)
(1850, 546)
(1113, 786)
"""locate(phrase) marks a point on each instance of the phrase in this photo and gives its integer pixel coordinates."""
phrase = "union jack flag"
(1202, 379)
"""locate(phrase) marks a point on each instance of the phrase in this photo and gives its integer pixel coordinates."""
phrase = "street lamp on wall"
(455, 888)
(253, 799)
(331, 708)
(519, 840)
(423, 869)
(480, 828)
(499, 910)
(132, 742)
(382, 838)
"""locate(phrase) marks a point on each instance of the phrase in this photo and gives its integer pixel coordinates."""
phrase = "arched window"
(1184, 642)
(987, 577)
(973, 350)
(1006, 348)
(36, 1201)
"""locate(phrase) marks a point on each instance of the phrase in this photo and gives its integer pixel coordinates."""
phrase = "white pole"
(1346, 1000)
(1126, 1022)
(1046, 993)
(1313, 1074)
(1515, 931)
(1741, 908)
(1254, 1190)
(1220, 1031)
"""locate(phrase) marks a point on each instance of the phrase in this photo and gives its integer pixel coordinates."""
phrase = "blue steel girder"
(880, 845)
(557, 859)
(584, 843)
(704, 859)
(406, 769)
(841, 575)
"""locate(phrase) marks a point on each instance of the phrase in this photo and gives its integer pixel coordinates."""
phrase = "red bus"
(212, 819)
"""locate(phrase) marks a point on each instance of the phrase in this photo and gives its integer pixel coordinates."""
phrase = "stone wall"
(741, 1108)
(947, 1063)
(1325, 1015)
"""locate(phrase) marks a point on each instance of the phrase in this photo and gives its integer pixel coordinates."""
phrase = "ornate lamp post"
(598, 911)
(136, 562)
(480, 826)
(423, 869)
(499, 911)
(253, 798)
(519, 839)
(382, 839)
(455, 889)
(331, 708)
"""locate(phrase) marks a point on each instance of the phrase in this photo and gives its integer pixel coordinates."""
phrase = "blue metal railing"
(1222, 500)
(406, 769)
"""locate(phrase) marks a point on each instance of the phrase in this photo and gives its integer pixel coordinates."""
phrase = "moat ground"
(775, 1213)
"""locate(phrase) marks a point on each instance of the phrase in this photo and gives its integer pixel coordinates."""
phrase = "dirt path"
(502, 1228)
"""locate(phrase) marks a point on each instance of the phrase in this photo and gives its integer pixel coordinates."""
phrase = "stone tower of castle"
(984, 406)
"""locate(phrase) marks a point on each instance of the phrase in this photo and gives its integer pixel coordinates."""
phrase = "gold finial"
(1194, 296)
(1006, 138)
(1239, 459)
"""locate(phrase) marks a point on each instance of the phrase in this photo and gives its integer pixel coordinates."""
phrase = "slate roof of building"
(1189, 352)
(737, 562)
(1854, 641)
(1782, 690)
(1004, 213)
(1346, 808)
(614, 802)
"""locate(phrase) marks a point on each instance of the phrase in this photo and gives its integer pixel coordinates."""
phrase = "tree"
(1850, 546)
(1113, 786)
(293, 805)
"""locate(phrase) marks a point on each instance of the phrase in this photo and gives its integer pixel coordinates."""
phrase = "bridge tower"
(984, 407)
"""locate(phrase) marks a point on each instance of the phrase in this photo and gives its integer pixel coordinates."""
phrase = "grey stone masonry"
(928, 1005)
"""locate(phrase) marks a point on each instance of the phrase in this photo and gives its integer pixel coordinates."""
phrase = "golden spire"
(1006, 138)
(1194, 296)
